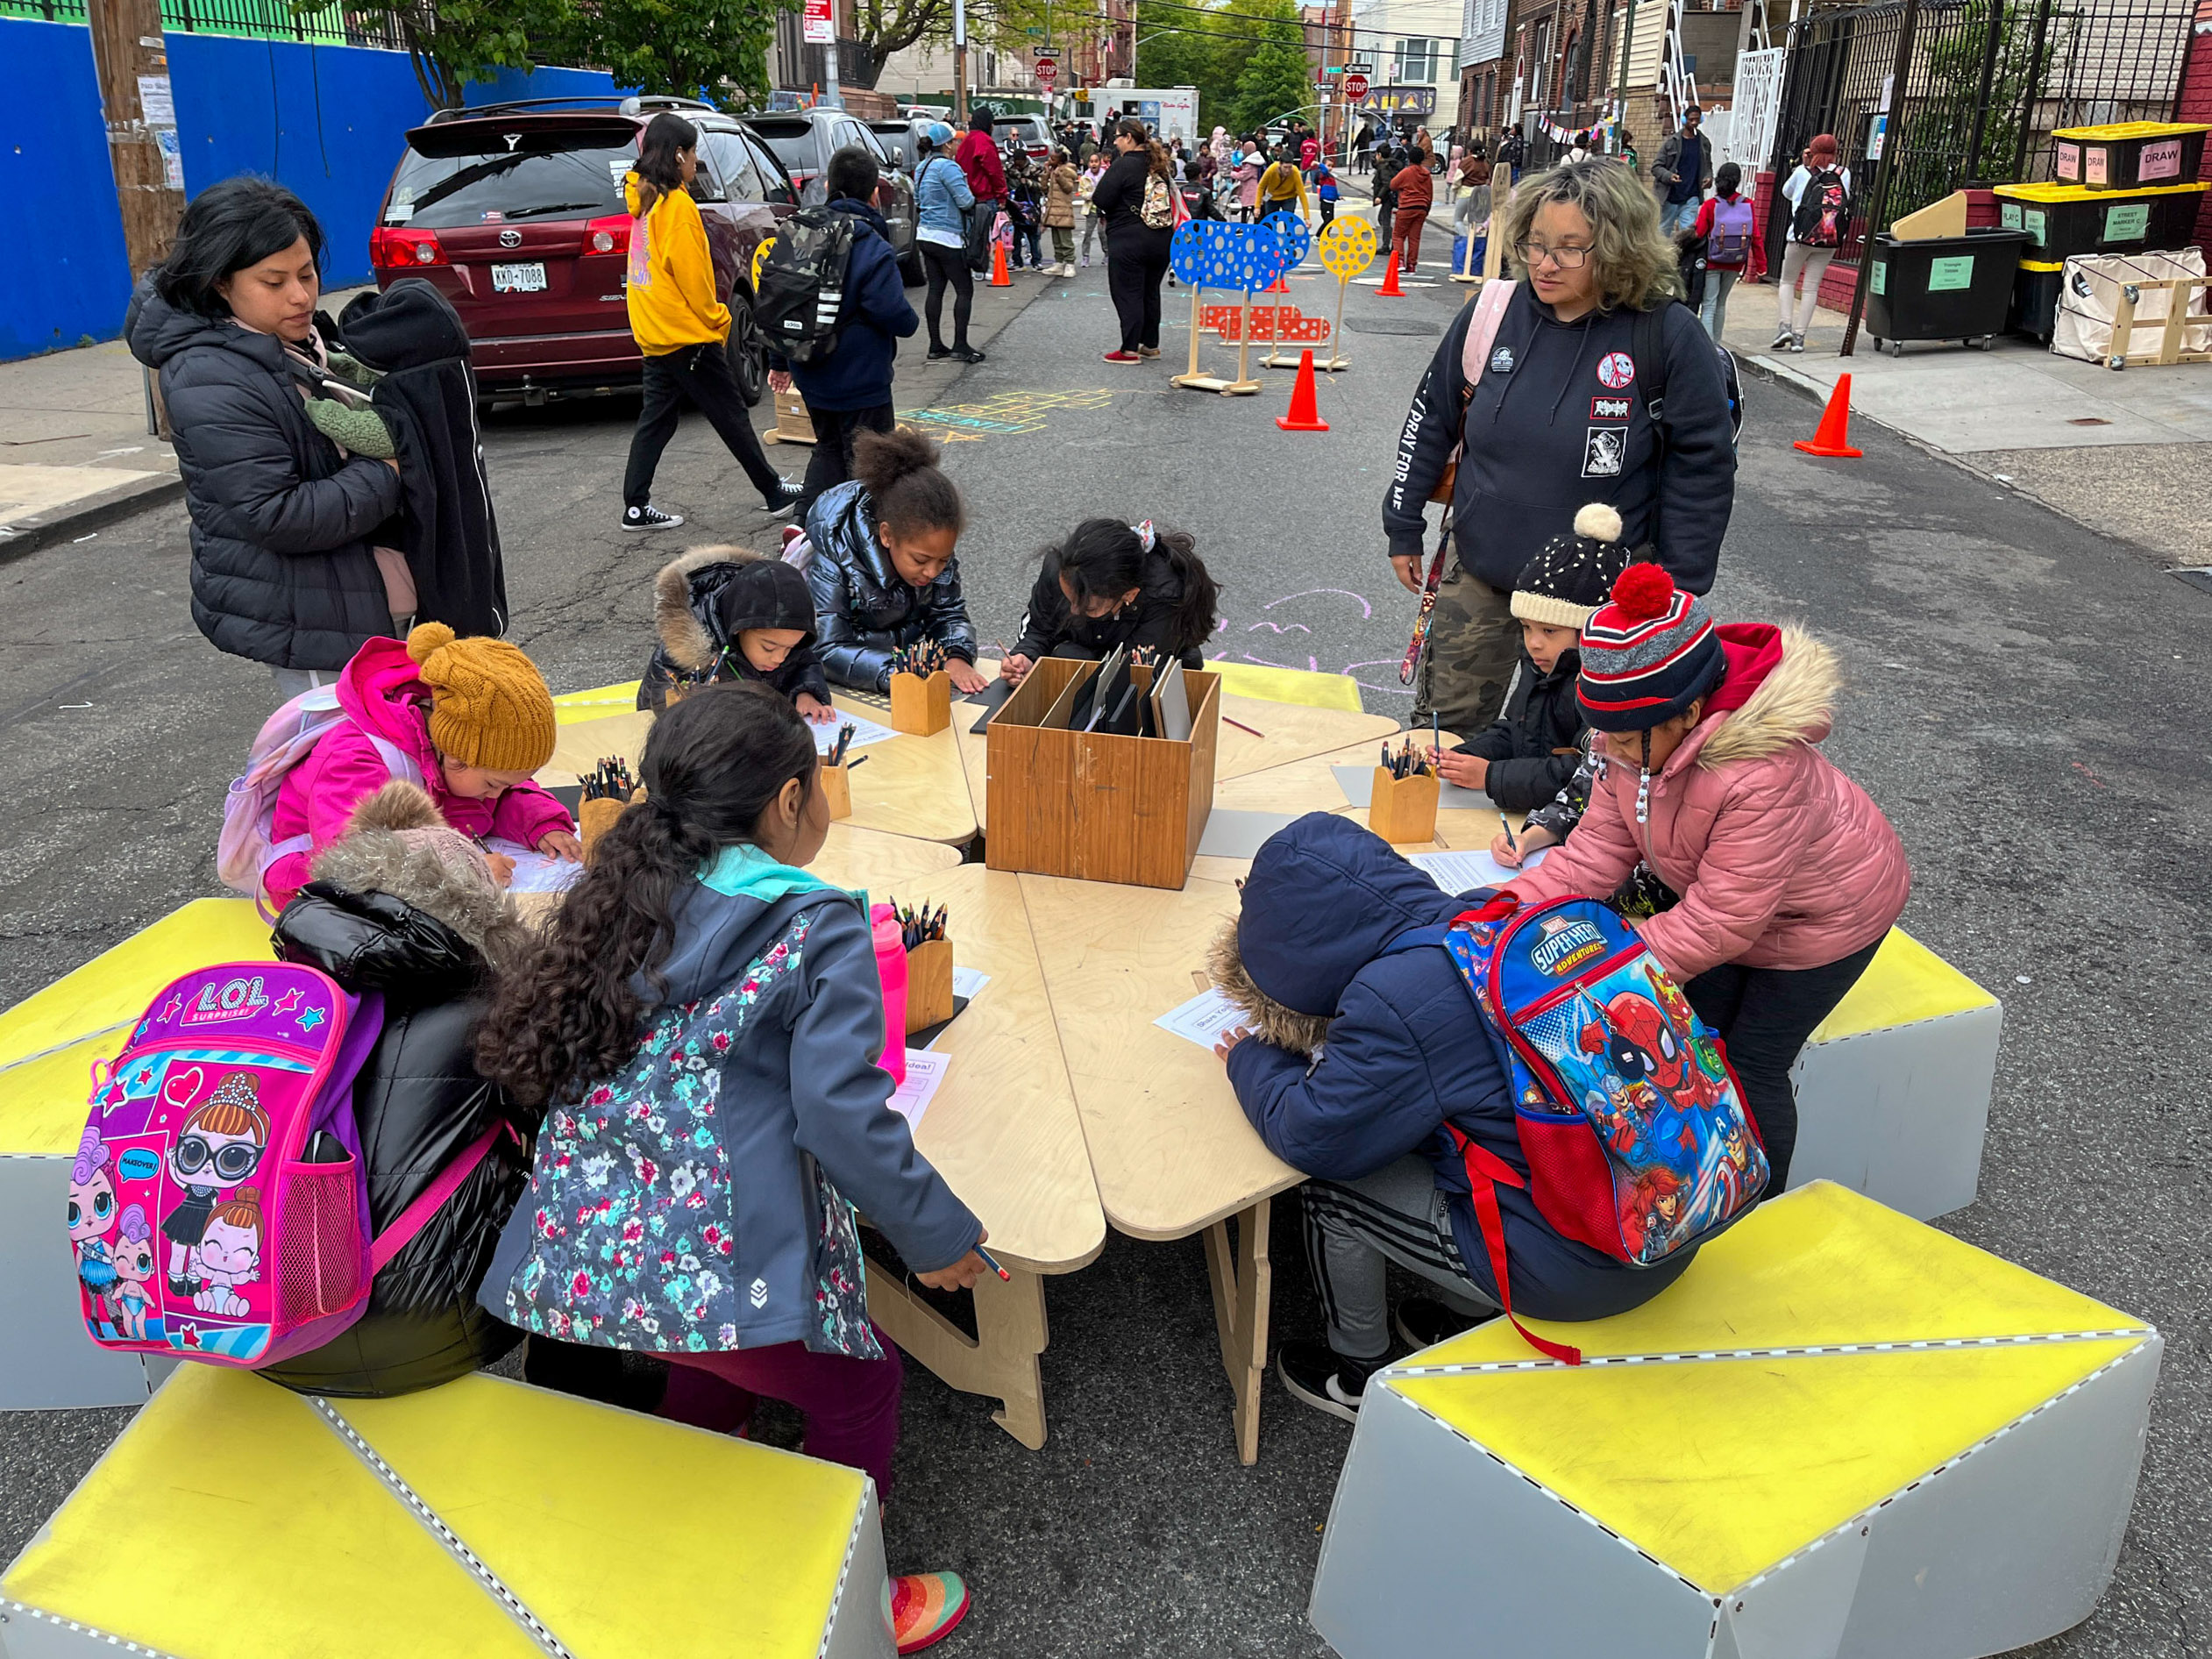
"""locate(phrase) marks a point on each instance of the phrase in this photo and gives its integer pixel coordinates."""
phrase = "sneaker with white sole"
(1780, 341)
(1422, 1321)
(650, 518)
(1318, 1376)
(1796, 342)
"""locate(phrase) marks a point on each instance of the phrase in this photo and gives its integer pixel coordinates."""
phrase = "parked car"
(805, 139)
(515, 211)
(898, 138)
(1029, 131)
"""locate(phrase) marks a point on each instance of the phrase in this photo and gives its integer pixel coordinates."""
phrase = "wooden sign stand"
(1243, 385)
(1191, 379)
(1404, 809)
(1337, 360)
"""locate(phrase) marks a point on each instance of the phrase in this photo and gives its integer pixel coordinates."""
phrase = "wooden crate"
(2184, 319)
(1096, 807)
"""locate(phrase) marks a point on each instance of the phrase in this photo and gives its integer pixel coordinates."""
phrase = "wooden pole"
(131, 62)
(1336, 334)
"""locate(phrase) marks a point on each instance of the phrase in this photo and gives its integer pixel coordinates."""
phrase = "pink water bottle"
(890, 968)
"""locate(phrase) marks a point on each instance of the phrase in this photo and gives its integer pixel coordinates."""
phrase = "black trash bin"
(1942, 287)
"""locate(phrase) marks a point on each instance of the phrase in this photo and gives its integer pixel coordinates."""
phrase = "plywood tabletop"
(910, 787)
(1290, 732)
(1003, 1128)
(1168, 1143)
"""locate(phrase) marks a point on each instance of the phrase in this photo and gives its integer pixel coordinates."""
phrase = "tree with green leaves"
(1275, 77)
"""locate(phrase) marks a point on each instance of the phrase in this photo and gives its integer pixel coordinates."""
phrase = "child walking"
(1789, 875)
(728, 612)
(1732, 253)
(471, 719)
(883, 569)
(1530, 753)
(700, 1026)
(1112, 584)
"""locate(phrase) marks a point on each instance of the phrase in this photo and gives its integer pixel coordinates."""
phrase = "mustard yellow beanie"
(489, 706)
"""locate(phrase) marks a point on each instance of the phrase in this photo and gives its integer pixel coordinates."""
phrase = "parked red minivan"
(516, 211)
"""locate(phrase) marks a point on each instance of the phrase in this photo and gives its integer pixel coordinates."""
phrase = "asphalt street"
(2027, 700)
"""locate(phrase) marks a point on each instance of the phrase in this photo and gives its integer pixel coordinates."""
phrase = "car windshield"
(435, 191)
(793, 143)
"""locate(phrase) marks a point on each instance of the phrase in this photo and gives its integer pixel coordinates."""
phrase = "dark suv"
(515, 212)
(805, 139)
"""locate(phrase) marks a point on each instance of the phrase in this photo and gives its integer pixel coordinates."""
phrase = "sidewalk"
(2123, 452)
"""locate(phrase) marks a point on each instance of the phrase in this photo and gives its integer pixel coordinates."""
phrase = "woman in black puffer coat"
(283, 523)
(405, 906)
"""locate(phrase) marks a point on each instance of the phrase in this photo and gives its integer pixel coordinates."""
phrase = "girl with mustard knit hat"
(469, 720)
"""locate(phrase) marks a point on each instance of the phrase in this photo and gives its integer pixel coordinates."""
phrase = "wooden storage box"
(1090, 805)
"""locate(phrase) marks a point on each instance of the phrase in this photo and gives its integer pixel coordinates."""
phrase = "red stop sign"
(1047, 71)
(1354, 87)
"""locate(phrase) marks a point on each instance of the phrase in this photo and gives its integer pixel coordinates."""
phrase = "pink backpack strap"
(416, 1216)
(1482, 331)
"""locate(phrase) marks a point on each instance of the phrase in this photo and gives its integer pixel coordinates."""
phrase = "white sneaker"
(1796, 342)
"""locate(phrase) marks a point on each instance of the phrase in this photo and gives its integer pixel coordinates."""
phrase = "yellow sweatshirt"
(1281, 183)
(671, 276)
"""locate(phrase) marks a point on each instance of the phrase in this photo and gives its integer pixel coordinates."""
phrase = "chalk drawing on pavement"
(1005, 414)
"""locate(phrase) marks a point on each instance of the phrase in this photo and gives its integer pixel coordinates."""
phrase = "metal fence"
(256, 20)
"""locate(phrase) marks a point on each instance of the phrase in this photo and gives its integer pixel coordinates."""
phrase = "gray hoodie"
(697, 1200)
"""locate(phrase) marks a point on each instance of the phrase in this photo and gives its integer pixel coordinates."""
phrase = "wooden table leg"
(1241, 1290)
(1001, 1360)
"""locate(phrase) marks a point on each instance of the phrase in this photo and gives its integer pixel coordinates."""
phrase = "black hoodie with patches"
(704, 600)
(1557, 420)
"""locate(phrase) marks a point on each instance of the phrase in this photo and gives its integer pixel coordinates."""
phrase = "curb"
(87, 514)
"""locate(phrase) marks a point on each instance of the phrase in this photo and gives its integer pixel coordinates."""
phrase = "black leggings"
(701, 375)
(1764, 1015)
(1136, 263)
(944, 264)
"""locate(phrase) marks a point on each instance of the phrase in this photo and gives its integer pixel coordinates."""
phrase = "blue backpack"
(1633, 1125)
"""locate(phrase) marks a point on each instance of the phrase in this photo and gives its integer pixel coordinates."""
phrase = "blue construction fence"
(328, 121)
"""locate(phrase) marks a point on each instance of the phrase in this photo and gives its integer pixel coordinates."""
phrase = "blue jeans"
(1679, 216)
(1714, 311)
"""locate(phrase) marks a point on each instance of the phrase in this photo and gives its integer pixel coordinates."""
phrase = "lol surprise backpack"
(1634, 1127)
(248, 846)
(218, 1209)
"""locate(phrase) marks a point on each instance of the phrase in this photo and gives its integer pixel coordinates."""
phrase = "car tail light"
(609, 235)
(399, 249)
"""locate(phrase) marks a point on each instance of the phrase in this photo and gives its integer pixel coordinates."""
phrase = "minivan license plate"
(519, 279)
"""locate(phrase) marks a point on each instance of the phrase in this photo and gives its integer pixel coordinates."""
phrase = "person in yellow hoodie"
(680, 326)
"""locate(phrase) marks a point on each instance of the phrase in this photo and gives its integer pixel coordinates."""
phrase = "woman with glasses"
(1557, 414)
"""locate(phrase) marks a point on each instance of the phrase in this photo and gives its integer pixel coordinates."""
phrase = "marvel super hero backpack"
(218, 1209)
(1632, 1122)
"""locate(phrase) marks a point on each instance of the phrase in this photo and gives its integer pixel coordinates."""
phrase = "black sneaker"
(1423, 1323)
(1321, 1378)
(788, 496)
(967, 354)
(650, 518)
(938, 353)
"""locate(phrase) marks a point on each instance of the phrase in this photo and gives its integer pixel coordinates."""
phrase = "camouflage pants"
(1474, 640)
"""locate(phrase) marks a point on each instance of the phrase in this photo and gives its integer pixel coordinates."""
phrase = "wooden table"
(911, 786)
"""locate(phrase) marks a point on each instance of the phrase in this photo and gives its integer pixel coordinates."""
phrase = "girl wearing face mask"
(885, 571)
(1112, 584)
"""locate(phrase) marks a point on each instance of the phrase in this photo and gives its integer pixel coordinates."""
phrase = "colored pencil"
(1240, 726)
(992, 1262)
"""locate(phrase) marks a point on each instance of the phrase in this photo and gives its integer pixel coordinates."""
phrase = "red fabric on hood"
(1753, 651)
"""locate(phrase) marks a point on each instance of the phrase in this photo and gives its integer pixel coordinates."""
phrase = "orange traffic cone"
(1280, 286)
(1390, 290)
(998, 277)
(1834, 435)
(1304, 416)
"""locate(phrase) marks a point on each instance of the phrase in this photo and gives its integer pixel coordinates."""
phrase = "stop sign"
(1354, 87)
(1047, 71)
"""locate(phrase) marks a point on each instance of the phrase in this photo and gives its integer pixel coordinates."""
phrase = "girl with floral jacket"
(700, 1025)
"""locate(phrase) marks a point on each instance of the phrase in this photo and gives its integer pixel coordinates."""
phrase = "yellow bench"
(1841, 1431)
(236, 1521)
(1893, 1089)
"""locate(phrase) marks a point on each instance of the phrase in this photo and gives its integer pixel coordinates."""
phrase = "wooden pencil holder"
(595, 818)
(837, 787)
(1404, 809)
(928, 985)
(921, 708)
(674, 695)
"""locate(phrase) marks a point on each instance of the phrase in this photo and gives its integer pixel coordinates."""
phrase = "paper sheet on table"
(1233, 834)
(926, 1069)
(967, 981)
(1205, 1019)
(1358, 785)
(865, 732)
(537, 871)
(1464, 871)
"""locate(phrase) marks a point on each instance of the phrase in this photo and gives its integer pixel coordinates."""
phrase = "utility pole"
(960, 62)
(131, 62)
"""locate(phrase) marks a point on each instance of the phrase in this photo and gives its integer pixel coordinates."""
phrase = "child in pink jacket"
(474, 717)
(1789, 875)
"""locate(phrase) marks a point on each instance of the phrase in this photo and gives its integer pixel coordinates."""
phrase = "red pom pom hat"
(1647, 654)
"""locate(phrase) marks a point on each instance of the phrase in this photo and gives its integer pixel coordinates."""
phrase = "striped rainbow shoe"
(923, 1607)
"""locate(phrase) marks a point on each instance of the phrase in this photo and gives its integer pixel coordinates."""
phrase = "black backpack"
(802, 284)
(1824, 211)
(1648, 347)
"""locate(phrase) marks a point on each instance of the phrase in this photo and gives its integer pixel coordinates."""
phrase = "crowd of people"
(1667, 762)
